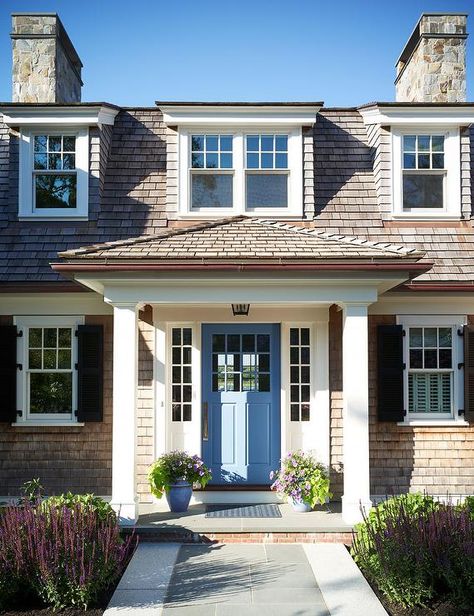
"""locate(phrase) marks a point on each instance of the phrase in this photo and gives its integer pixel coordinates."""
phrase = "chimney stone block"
(46, 67)
(432, 66)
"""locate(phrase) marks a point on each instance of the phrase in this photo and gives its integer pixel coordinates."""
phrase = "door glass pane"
(242, 368)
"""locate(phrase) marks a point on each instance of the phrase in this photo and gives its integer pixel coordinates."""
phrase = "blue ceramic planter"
(179, 495)
(300, 506)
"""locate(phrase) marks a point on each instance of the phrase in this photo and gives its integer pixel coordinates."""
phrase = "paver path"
(243, 580)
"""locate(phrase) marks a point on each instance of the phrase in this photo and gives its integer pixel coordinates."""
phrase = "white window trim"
(452, 163)
(295, 172)
(23, 323)
(436, 419)
(183, 434)
(26, 208)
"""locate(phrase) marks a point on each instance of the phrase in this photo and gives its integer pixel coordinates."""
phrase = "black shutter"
(90, 372)
(8, 369)
(468, 332)
(390, 373)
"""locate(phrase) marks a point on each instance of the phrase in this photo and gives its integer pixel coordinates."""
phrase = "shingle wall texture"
(145, 404)
(346, 180)
(346, 200)
(64, 458)
(438, 460)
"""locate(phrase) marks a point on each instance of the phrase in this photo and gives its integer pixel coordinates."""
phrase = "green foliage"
(88, 502)
(175, 466)
(32, 491)
(413, 504)
(34, 494)
(302, 478)
(416, 550)
(467, 505)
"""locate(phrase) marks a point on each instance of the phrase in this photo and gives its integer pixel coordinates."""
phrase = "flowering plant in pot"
(302, 480)
(174, 474)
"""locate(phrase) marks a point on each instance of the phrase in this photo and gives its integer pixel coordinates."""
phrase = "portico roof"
(242, 240)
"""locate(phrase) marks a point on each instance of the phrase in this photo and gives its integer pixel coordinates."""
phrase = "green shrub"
(413, 505)
(88, 502)
(415, 549)
(64, 555)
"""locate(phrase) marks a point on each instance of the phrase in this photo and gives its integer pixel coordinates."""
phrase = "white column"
(125, 368)
(355, 369)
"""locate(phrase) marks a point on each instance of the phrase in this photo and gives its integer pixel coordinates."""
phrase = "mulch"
(439, 608)
(29, 606)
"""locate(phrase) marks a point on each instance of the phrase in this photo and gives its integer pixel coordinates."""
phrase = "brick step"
(158, 535)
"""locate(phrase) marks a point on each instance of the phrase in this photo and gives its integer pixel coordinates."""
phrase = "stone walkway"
(239, 579)
(248, 579)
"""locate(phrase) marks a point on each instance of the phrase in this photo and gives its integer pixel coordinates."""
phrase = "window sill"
(47, 424)
(51, 218)
(426, 217)
(435, 423)
(250, 214)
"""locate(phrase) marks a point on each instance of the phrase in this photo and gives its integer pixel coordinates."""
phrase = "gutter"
(458, 287)
(160, 267)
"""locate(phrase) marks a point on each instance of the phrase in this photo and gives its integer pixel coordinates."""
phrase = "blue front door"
(241, 402)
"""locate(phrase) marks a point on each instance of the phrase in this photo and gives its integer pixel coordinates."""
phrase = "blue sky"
(134, 52)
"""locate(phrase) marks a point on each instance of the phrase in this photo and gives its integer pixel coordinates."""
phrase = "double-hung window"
(266, 177)
(212, 173)
(433, 367)
(54, 173)
(47, 383)
(426, 173)
(235, 171)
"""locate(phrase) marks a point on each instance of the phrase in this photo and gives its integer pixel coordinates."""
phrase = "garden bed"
(437, 608)
(417, 555)
(33, 608)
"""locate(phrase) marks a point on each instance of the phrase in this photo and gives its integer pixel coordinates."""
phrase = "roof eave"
(89, 114)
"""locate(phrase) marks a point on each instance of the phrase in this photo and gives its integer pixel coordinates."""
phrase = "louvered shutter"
(8, 373)
(468, 331)
(90, 373)
(390, 373)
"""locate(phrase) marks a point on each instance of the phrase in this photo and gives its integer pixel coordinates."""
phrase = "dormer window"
(424, 172)
(212, 172)
(238, 158)
(54, 173)
(266, 176)
(228, 172)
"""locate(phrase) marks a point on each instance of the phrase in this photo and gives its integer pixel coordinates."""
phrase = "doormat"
(243, 511)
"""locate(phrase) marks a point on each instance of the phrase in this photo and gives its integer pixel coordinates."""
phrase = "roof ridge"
(171, 232)
(336, 237)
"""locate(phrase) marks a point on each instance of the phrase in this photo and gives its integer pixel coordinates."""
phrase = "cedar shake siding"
(133, 188)
(439, 460)
(64, 458)
(145, 403)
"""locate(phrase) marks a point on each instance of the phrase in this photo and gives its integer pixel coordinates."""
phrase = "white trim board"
(48, 304)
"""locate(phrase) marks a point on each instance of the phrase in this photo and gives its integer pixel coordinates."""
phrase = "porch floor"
(157, 518)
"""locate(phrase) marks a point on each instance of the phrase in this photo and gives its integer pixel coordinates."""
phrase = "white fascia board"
(192, 115)
(63, 116)
(253, 290)
(392, 116)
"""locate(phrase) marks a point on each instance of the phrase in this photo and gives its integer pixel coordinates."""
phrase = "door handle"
(205, 421)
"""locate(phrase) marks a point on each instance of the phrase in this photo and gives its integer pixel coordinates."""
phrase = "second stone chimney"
(432, 67)
(46, 67)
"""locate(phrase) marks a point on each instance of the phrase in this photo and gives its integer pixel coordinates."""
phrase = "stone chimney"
(46, 67)
(432, 67)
